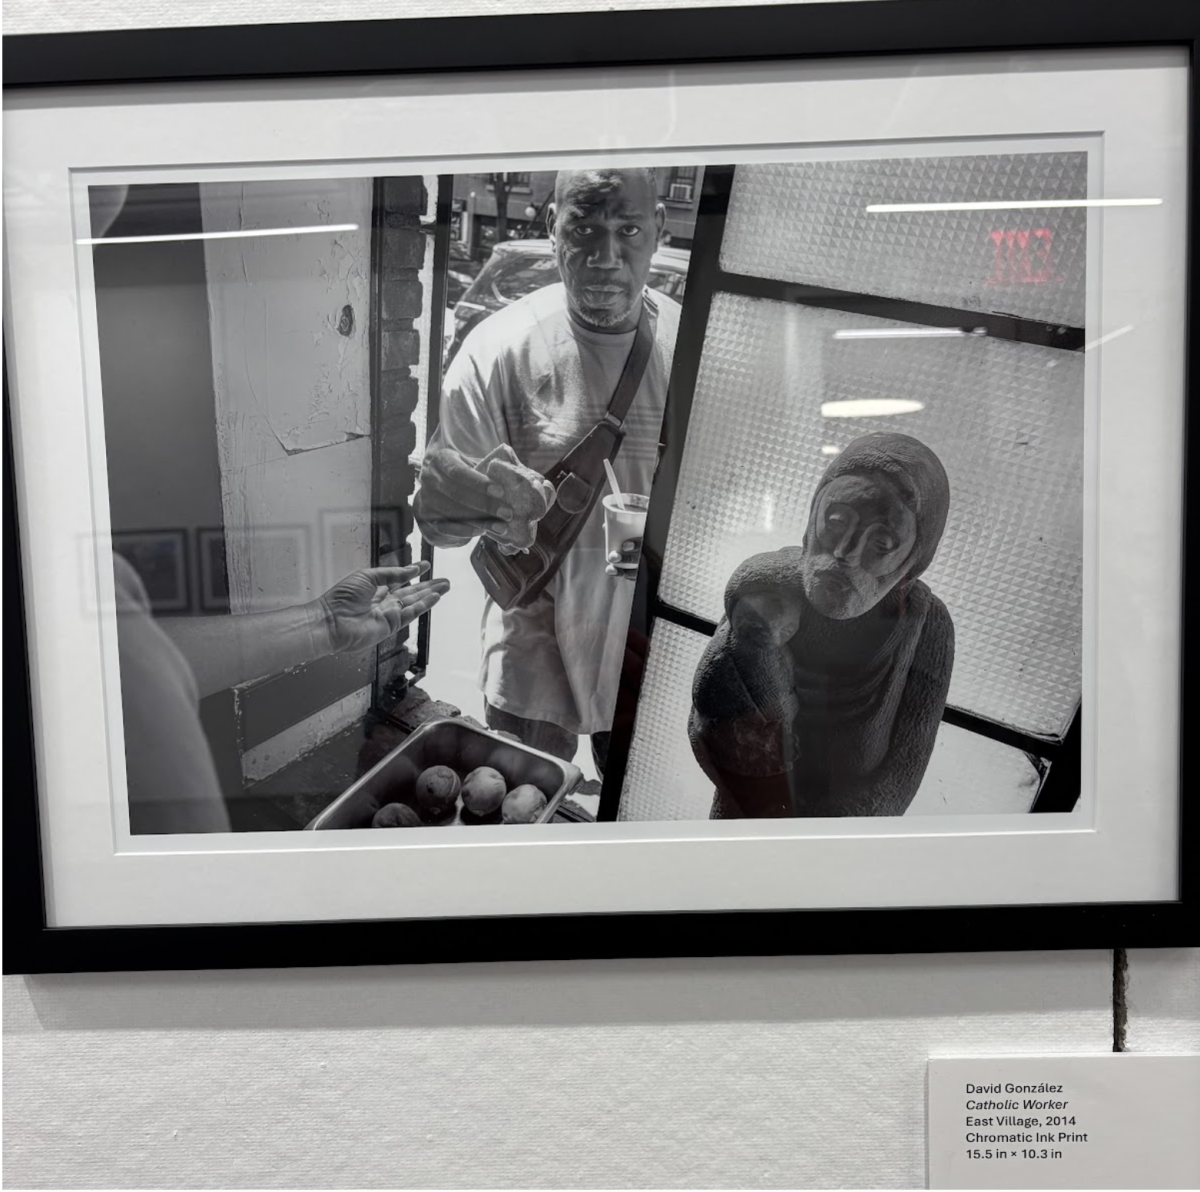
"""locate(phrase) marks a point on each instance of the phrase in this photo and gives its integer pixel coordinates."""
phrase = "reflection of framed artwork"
(270, 565)
(901, 662)
(256, 567)
(160, 558)
(214, 581)
(345, 538)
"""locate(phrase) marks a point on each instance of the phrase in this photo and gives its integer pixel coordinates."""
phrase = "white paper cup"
(622, 525)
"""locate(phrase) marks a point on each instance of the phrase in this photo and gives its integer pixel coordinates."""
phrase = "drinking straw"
(616, 488)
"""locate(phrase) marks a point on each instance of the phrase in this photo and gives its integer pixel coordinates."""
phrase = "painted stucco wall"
(289, 319)
(743, 1073)
(756, 1073)
(725, 1073)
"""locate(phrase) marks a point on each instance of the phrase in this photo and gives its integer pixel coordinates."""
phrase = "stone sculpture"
(822, 689)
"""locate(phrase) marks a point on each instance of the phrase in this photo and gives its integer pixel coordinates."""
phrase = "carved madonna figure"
(822, 689)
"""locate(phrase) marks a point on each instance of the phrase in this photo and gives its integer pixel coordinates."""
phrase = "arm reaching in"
(372, 605)
(360, 611)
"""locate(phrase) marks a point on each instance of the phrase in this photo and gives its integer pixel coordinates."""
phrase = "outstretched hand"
(371, 605)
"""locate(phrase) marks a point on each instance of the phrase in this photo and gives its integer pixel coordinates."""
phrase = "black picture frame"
(161, 559)
(871, 27)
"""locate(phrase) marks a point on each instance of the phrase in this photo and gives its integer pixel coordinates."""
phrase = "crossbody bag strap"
(635, 364)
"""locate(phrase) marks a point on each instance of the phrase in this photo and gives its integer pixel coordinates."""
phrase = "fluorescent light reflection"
(239, 234)
(907, 332)
(1096, 343)
(830, 449)
(1008, 205)
(869, 407)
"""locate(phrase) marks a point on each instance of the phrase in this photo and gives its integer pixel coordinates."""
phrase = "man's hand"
(624, 563)
(371, 605)
(455, 502)
(528, 494)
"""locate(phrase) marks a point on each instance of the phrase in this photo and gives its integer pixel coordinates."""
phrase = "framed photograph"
(736, 469)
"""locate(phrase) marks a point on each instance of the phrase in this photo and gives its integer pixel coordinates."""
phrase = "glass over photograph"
(378, 453)
(725, 492)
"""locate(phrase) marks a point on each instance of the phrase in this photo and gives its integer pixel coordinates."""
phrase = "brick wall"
(398, 254)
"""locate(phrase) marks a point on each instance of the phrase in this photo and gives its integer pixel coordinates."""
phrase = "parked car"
(461, 271)
(518, 267)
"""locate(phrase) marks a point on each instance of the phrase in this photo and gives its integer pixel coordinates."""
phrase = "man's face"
(605, 229)
(861, 534)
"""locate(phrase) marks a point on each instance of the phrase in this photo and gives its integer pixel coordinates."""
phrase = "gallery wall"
(759, 1073)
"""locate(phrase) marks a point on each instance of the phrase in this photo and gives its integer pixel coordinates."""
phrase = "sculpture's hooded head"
(875, 523)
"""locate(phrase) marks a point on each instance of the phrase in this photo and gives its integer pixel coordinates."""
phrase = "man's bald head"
(605, 225)
(586, 186)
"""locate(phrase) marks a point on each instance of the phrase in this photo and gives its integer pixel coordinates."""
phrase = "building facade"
(479, 220)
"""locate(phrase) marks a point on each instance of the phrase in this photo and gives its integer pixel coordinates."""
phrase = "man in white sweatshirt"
(536, 377)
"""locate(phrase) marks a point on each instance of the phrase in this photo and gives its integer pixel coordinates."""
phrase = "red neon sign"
(1022, 257)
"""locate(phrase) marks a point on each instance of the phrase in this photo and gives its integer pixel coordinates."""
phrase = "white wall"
(757, 1073)
(731, 1073)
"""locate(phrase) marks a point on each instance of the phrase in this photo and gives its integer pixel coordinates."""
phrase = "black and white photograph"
(869, 597)
(389, 398)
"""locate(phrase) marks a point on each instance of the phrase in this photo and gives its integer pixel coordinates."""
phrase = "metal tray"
(463, 747)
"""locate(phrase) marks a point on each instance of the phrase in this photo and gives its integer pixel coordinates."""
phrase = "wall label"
(1102, 1121)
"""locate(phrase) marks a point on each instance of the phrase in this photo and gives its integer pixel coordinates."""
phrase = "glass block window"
(1006, 420)
(972, 344)
(808, 222)
(662, 779)
(967, 773)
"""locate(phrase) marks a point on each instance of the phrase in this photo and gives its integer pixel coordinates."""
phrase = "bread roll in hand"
(527, 493)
